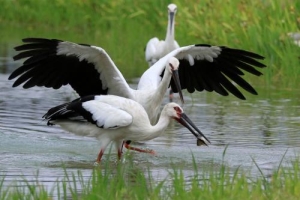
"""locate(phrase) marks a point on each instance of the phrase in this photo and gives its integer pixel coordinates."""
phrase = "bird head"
(172, 8)
(173, 64)
(176, 112)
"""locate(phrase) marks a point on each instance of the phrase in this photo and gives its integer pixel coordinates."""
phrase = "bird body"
(113, 118)
(157, 49)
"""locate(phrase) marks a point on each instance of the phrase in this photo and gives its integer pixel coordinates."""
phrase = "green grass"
(123, 27)
(128, 181)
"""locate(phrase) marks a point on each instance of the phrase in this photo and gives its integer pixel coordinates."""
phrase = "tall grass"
(123, 28)
(128, 181)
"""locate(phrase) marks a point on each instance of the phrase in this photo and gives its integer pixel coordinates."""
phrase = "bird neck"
(170, 30)
(163, 86)
(165, 81)
(159, 127)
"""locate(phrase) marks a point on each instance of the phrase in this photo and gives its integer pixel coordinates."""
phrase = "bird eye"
(172, 67)
(177, 109)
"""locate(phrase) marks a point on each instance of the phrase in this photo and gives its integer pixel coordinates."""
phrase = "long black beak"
(175, 76)
(172, 14)
(185, 121)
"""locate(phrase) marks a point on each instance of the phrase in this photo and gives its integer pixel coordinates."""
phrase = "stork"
(89, 70)
(156, 49)
(116, 119)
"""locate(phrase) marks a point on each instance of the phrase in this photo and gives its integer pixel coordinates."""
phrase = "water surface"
(263, 128)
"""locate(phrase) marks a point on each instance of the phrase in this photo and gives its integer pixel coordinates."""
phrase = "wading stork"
(155, 48)
(116, 119)
(89, 70)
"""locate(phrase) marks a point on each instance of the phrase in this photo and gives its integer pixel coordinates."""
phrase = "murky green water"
(262, 128)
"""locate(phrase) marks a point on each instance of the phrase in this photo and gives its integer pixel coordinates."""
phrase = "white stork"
(90, 71)
(113, 118)
(156, 49)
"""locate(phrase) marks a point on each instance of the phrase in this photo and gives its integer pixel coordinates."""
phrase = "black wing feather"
(43, 67)
(70, 111)
(230, 65)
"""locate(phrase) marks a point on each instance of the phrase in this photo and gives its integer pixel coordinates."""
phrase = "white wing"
(107, 116)
(157, 49)
(152, 51)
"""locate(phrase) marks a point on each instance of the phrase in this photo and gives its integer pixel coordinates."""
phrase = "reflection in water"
(219, 114)
(259, 127)
(266, 127)
(7, 64)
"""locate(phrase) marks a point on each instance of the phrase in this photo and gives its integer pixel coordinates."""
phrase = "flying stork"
(116, 119)
(89, 70)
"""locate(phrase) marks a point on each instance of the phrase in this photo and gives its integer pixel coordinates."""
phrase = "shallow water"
(263, 128)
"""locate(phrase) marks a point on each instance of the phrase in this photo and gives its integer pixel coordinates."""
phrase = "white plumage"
(155, 48)
(106, 115)
(112, 118)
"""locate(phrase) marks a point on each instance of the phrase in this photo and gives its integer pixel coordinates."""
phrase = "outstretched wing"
(53, 63)
(211, 68)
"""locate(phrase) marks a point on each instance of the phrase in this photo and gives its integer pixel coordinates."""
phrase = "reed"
(128, 181)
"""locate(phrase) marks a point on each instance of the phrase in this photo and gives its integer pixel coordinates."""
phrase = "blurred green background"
(123, 27)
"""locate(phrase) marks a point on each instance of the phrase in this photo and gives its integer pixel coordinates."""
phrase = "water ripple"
(263, 128)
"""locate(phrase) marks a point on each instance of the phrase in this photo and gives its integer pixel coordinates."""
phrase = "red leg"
(170, 95)
(119, 154)
(150, 151)
(100, 156)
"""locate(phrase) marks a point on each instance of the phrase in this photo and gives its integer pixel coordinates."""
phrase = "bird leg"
(127, 146)
(119, 154)
(100, 156)
(171, 94)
